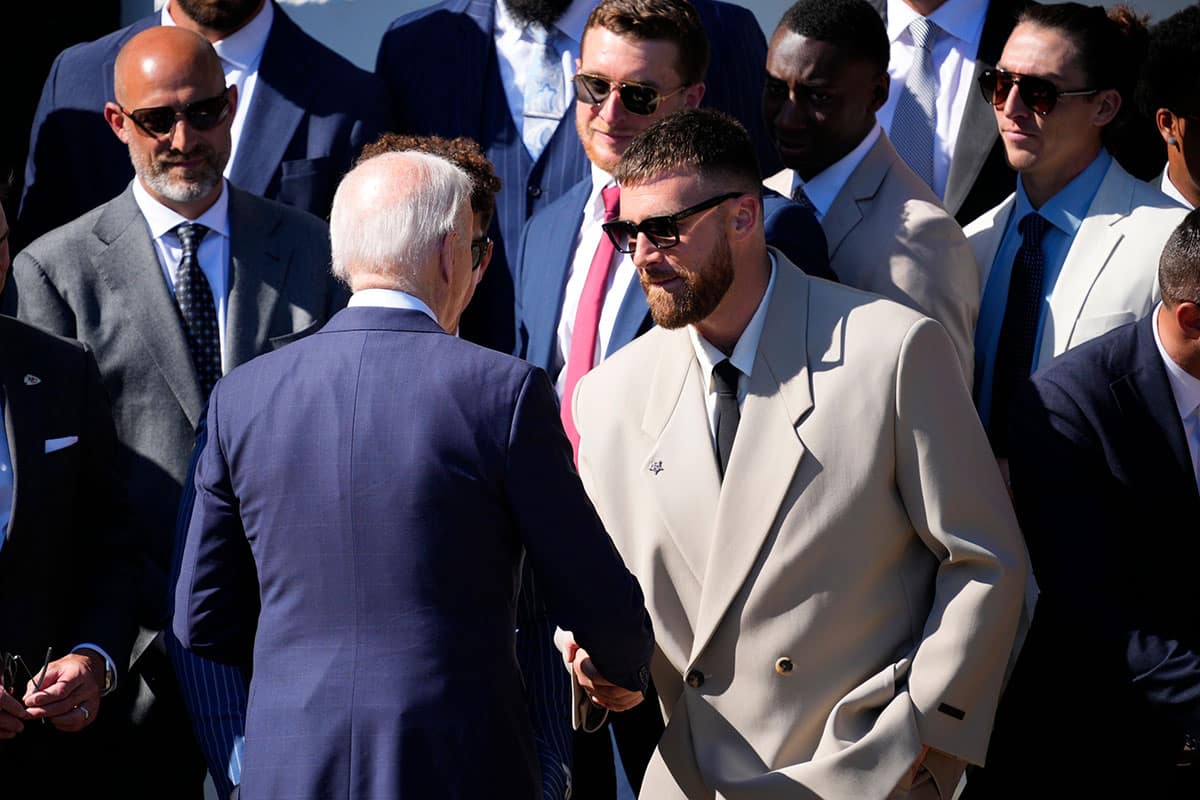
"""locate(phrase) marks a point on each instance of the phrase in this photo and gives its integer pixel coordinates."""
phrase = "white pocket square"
(60, 443)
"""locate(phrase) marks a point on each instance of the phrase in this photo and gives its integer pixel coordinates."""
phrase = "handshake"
(588, 686)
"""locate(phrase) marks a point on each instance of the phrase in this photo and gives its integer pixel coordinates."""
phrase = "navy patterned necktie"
(801, 197)
(1019, 330)
(725, 380)
(915, 121)
(197, 307)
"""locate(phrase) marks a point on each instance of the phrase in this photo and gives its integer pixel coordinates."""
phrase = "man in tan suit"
(887, 231)
(829, 556)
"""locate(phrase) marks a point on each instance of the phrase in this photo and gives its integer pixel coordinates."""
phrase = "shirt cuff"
(109, 666)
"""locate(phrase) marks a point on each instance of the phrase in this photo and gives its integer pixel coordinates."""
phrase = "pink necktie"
(587, 317)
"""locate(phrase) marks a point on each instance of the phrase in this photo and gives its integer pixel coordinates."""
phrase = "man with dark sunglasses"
(174, 282)
(794, 471)
(304, 111)
(1074, 252)
(887, 231)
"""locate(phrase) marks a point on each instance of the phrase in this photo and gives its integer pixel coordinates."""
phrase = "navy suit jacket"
(548, 248)
(463, 96)
(382, 552)
(312, 111)
(1107, 499)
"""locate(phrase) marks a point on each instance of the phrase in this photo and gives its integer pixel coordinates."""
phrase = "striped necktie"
(916, 111)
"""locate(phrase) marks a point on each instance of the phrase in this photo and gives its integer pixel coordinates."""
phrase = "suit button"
(784, 666)
(535, 191)
(695, 679)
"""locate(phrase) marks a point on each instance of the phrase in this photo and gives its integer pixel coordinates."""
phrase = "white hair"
(392, 211)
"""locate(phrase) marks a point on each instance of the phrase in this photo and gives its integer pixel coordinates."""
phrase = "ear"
(1107, 107)
(446, 257)
(693, 95)
(1167, 124)
(882, 84)
(747, 216)
(233, 100)
(118, 122)
(1187, 317)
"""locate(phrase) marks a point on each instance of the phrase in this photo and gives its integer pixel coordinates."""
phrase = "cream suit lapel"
(766, 452)
(1093, 246)
(680, 467)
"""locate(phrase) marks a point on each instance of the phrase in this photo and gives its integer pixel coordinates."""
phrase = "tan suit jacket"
(889, 234)
(862, 532)
(1110, 276)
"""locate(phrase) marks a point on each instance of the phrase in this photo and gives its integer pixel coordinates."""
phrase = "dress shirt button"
(535, 191)
(784, 666)
(695, 679)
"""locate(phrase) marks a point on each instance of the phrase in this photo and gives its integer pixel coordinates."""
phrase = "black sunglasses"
(663, 232)
(202, 115)
(478, 250)
(9, 675)
(638, 98)
(1039, 94)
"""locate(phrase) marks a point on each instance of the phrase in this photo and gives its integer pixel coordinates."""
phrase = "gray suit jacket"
(97, 279)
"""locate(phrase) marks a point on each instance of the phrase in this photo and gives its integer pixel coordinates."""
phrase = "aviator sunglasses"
(663, 232)
(638, 98)
(478, 249)
(202, 115)
(1039, 94)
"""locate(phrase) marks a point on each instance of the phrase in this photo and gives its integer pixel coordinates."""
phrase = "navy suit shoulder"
(795, 231)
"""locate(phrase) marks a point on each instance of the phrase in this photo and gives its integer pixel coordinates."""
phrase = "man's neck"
(724, 327)
(1182, 350)
(1177, 172)
(189, 209)
(213, 35)
(1041, 188)
(924, 7)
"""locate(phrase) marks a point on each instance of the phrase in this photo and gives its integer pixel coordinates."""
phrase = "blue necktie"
(544, 97)
(196, 306)
(1019, 329)
(916, 111)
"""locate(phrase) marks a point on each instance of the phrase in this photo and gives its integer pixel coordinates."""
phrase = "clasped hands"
(600, 691)
(69, 697)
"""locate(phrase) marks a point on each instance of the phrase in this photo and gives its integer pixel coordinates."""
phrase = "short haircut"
(1171, 73)
(854, 26)
(391, 212)
(462, 152)
(675, 21)
(712, 144)
(1179, 265)
(1111, 43)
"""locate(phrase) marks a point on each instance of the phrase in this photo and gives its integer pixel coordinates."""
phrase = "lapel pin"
(32, 380)
(656, 467)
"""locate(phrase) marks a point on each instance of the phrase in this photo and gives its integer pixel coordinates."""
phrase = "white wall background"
(354, 27)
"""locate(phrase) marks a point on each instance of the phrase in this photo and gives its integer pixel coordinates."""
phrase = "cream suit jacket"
(862, 532)
(888, 234)
(1110, 276)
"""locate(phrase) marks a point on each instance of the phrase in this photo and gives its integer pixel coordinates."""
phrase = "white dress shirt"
(744, 353)
(391, 298)
(213, 252)
(621, 275)
(514, 51)
(240, 55)
(954, 52)
(1186, 390)
(823, 189)
(1170, 190)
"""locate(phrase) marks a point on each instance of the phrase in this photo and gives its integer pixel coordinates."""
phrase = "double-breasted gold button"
(784, 665)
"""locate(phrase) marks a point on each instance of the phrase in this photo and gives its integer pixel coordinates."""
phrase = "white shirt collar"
(391, 298)
(823, 189)
(1170, 190)
(1185, 387)
(571, 23)
(163, 220)
(243, 48)
(746, 349)
(601, 180)
(962, 19)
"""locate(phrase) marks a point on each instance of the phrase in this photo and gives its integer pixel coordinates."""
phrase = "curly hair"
(462, 152)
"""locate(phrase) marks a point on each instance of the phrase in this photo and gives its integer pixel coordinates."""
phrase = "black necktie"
(725, 378)
(1019, 330)
(199, 311)
(801, 197)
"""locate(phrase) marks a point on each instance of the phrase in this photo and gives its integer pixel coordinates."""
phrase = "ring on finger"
(86, 715)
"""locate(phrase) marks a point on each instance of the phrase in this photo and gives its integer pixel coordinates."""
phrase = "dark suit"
(383, 650)
(464, 96)
(67, 575)
(1109, 681)
(310, 113)
(98, 280)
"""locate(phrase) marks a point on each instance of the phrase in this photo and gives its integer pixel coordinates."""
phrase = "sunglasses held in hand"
(638, 98)
(663, 232)
(202, 115)
(9, 674)
(1038, 94)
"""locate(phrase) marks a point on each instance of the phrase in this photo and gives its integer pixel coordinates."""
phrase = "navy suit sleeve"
(795, 232)
(216, 597)
(579, 573)
(214, 694)
(1069, 503)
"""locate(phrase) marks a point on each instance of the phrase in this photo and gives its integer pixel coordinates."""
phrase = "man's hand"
(602, 692)
(70, 693)
(12, 714)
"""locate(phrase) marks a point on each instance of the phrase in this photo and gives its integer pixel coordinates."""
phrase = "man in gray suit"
(177, 280)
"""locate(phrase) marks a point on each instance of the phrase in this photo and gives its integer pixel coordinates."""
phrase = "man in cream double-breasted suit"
(826, 548)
